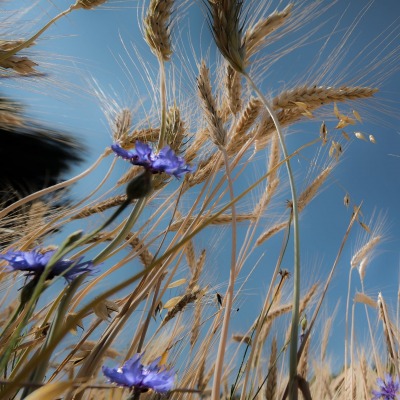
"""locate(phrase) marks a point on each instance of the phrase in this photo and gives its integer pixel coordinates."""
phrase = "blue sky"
(91, 49)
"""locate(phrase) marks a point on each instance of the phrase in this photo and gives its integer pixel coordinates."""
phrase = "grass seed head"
(224, 20)
(157, 28)
(89, 4)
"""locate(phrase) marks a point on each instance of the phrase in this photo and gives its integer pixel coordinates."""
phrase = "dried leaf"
(177, 283)
(173, 302)
(79, 324)
(357, 115)
(104, 308)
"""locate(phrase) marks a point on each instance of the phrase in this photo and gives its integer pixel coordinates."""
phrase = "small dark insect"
(219, 299)
(158, 310)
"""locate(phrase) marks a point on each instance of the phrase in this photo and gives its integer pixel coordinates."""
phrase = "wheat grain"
(247, 118)
(222, 219)
(224, 18)
(157, 28)
(309, 193)
(363, 252)
(121, 127)
(316, 96)
(89, 4)
(216, 129)
(272, 381)
(270, 232)
(181, 304)
(255, 37)
(100, 207)
(234, 89)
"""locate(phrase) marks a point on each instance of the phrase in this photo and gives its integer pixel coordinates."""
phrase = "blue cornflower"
(33, 262)
(136, 376)
(388, 389)
(164, 161)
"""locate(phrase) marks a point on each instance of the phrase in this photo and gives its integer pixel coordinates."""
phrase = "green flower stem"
(296, 274)
(39, 372)
(137, 210)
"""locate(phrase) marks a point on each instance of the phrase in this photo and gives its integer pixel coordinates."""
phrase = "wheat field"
(212, 236)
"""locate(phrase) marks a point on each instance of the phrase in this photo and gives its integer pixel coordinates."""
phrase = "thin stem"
(163, 95)
(296, 253)
(377, 361)
(266, 307)
(29, 41)
(137, 210)
(346, 334)
(229, 293)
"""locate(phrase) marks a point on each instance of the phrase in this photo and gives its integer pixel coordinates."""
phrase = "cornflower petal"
(137, 376)
(34, 263)
(164, 161)
(389, 388)
(119, 151)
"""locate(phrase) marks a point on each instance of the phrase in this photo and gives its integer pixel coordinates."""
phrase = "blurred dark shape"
(32, 157)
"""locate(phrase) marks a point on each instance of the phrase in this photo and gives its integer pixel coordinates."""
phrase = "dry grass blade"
(157, 28)
(255, 37)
